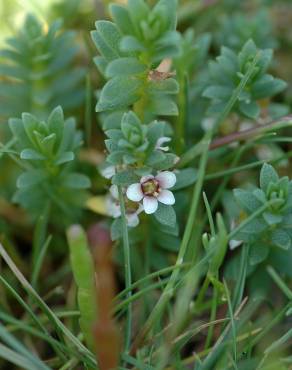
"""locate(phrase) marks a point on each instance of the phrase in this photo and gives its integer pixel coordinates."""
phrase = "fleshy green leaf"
(76, 181)
(247, 200)
(185, 178)
(122, 19)
(124, 178)
(56, 123)
(258, 253)
(107, 38)
(168, 86)
(267, 175)
(31, 154)
(250, 109)
(165, 215)
(64, 158)
(125, 67)
(30, 178)
(119, 92)
(281, 239)
(163, 106)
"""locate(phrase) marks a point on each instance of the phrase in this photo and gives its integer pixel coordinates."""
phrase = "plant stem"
(202, 291)
(151, 276)
(240, 283)
(212, 317)
(128, 275)
(278, 280)
(268, 327)
(181, 120)
(139, 108)
(39, 237)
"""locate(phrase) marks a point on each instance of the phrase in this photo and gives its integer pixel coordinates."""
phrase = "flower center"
(150, 187)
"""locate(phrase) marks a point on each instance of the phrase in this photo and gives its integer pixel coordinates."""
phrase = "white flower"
(112, 202)
(108, 172)
(153, 189)
(234, 243)
(114, 209)
(161, 141)
(132, 216)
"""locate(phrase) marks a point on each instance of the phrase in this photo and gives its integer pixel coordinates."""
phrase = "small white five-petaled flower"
(153, 189)
(114, 209)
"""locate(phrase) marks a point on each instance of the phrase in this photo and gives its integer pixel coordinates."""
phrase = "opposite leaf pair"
(130, 143)
(273, 227)
(230, 68)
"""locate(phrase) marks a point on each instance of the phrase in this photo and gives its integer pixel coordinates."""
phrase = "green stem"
(147, 267)
(151, 276)
(40, 236)
(181, 120)
(240, 283)
(128, 275)
(268, 327)
(281, 284)
(141, 293)
(139, 108)
(203, 291)
(212, 317)
(39, 261)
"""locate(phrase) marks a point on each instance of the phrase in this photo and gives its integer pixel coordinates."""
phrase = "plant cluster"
(240, 28)
(272, 228)
(46, 150)
(131, 49)
(36, 71)
(228, 71)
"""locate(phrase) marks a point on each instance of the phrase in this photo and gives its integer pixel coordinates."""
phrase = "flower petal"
(150, 205)
(108, 172)
(114, 191)
(140, 209)
(132, 219)
(162, 140)
(166, 179)
(134, 192)
(113, 208)
(146, 178)
(166, 197)
(234, 243)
